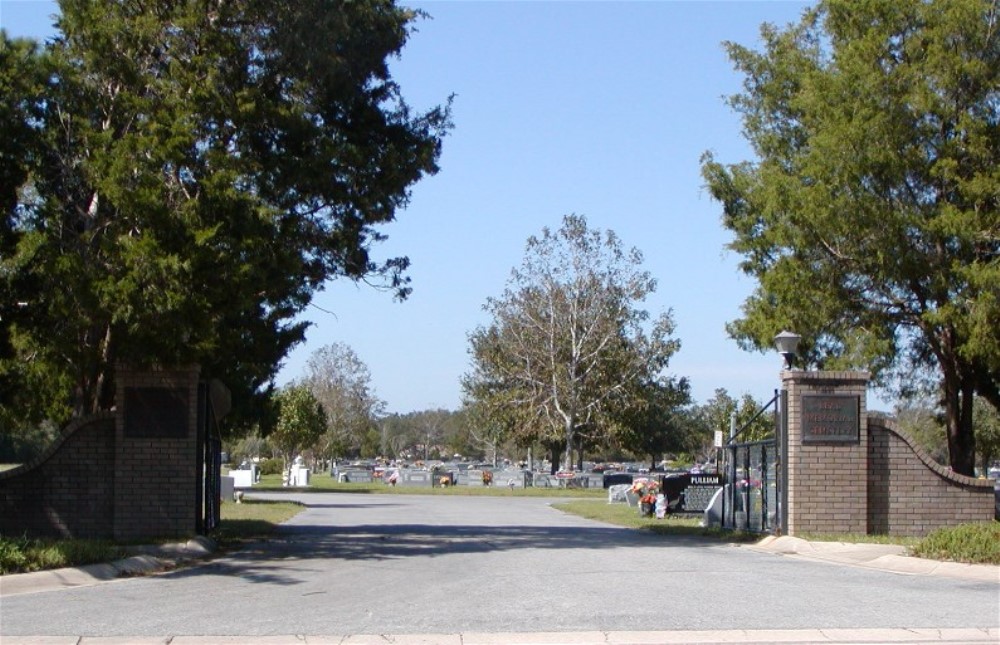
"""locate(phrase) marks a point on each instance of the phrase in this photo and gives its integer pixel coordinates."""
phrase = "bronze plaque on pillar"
(831, 418)
(156, 412)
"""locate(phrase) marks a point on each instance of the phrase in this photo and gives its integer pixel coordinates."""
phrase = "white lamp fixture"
(787, 343)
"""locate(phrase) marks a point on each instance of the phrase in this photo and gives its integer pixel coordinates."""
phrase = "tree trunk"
(958, 400)
(570, 436)
(966, 437)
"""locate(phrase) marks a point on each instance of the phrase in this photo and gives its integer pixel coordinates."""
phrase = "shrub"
(19, 555)
(972, 543)
(271, 466)
(12, 555)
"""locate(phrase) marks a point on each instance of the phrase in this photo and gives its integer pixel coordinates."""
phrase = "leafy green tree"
(341, 382)
(430, 427)
(987, 422)
(699, 435)
(722, 410)
(393, 439)
(496, 399)
(370, 444)
(29, 394)
(923, 422)
(486, 431)
(22, 443)
(424, 434)
(717, 411)
(569, 347)
(658, 426)
(249, 447)
(187, 175)
(870, 215)
(301, 422)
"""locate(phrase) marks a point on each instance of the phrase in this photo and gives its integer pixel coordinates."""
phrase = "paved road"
(380, 564)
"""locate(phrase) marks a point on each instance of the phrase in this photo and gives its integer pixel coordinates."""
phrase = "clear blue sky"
(596, 108)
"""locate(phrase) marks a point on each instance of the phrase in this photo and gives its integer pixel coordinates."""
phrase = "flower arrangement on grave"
(646, 490)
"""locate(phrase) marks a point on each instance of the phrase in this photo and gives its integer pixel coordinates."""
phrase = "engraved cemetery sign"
(830, 418)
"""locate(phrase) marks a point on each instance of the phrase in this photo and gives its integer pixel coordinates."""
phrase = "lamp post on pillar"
(787, 343)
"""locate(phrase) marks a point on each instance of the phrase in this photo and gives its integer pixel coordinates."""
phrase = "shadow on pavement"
(276, 560)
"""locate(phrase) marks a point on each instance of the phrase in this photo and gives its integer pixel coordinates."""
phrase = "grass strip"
(671, 525)
(251, 521)
(24, 555)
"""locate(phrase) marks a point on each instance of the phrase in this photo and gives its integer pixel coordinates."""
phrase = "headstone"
(618, 493)
(615, 479)
(226, 489)
(442, 478)
(512, 478)
(358, 476)
(543, 480)
(699, 492)
(299, 475)
(713, 512)
(415, 477)
(242, 478)
(689, 492)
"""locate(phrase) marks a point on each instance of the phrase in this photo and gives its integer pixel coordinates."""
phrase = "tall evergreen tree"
(195, 171)
(871, 216)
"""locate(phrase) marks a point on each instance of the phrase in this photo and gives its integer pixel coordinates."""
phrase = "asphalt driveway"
(384, 564)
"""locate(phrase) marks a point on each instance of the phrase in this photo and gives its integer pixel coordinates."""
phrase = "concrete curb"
(885, 557)
(694, 637)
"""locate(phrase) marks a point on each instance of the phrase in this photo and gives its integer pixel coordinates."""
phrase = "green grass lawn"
(251, 521)
(625, 515)
(969, 543)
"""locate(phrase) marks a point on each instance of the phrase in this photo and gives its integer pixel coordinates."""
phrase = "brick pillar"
(827, 452)
(156, 453)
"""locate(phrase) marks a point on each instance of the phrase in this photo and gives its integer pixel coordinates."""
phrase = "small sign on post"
(718, 438)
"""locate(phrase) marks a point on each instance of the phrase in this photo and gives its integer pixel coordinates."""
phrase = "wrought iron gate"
(753, 497)
(209, 462)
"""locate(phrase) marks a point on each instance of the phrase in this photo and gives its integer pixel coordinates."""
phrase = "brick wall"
(876, 483)
(124, 475)
(156, 453)
(67, 491)
(911, 494)
(827, 486)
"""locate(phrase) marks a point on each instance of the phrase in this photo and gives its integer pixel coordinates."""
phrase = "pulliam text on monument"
(830, 418)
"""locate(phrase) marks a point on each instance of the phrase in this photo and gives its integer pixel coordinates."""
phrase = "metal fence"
(753, 494)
